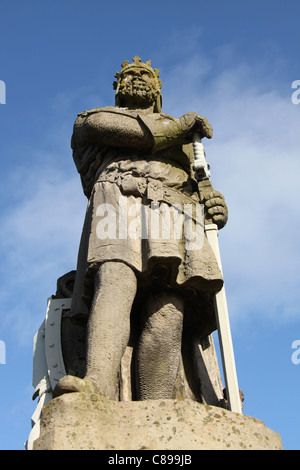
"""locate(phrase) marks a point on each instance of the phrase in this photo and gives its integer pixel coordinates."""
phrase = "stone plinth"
(78, 421)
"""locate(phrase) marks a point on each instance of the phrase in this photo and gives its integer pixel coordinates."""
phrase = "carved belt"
(148, 188)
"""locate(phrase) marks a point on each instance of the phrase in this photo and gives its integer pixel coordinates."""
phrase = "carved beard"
(139, 92)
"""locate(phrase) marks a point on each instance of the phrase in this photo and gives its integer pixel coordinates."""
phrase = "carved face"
(138, 88)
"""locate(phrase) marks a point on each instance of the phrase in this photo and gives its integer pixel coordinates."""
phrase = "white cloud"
(254, 158)
(39, 237)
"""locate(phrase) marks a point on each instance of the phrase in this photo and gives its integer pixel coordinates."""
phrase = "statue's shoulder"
(87, 113)
(124, 112)
(159, 116)
(155, 118)
(167, 116)
(108, 109)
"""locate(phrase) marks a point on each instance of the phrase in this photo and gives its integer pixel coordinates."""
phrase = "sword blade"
(220, 302)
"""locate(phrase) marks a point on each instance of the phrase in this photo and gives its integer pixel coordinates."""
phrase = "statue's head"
(138, 85)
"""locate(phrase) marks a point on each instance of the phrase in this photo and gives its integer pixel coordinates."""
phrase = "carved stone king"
(134, 322)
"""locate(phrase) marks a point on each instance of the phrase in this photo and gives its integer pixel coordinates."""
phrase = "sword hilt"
(201, 167)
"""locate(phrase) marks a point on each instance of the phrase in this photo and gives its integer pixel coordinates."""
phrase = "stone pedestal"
(78, 421)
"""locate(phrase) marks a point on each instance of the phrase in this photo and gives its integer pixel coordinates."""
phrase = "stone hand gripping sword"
(201, 168)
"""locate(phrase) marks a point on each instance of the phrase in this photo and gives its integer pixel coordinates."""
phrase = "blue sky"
(233, 62)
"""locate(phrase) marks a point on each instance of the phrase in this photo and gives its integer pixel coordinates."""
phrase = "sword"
(202, 168)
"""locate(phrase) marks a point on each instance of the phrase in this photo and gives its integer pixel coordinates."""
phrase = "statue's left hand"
(216, 208)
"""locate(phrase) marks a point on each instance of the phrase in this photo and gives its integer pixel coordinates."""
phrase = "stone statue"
(146, 274)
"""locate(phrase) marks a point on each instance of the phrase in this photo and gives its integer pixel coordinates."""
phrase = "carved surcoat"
(127, 188)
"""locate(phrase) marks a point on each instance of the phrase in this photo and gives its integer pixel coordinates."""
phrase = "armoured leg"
(107, 332)
(109, 325)
(159, 347)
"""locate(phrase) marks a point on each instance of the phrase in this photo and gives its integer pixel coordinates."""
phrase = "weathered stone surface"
(146, 274)
(79, 421)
